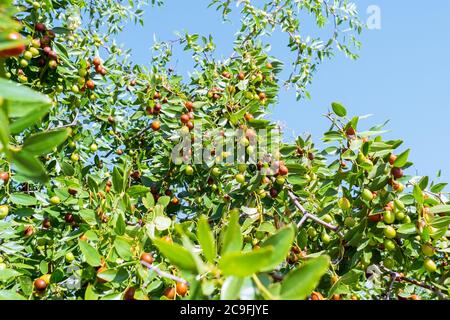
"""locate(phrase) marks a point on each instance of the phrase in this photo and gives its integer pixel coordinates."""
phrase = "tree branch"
(163, 273)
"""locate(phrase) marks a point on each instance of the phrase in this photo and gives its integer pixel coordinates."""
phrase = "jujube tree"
(94, 204)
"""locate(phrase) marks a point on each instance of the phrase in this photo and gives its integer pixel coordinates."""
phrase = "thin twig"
(163, 273)
(308, 215)
(400, 277)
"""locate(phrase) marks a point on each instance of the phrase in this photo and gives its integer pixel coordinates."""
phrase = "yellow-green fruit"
(367, 195)
(189, 170)
(407, 219)
(389, 244)
(75, 157)
(429, 265)
(280, 180)
(325, 237)
(93, 147)
(240, 178)
(349, 222)
(2, 266)
(69, 257)
(399, 205)
(312, 232)
(242, 167)
(388, 217)
(389, 262)
(327, 218)
(215, 171)
(427, 249)
(28, 55)
(389, 232)
(344, 203)
(400, 215)
(55, 200)
(4, 210)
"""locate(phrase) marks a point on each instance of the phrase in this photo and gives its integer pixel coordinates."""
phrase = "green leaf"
(244, 264)
(90, 294)
(163, 201)
(28, 120)
(123, 248)
(299, 283)
(10, 295)
(4, 130)
(117, 180)
(407, 228)
(162, 223)
(7, 274)
(23, 199)
(282, 242)
(137, 190)
(401, 159)
(28, 166)
(232, 239)
(120, 225)
(206, 239)
(44, 142)
(418, 195)
(440, 209)
(176, 254)
(339, 109)
(231, 288)
(22, 100)
(90, 253)
(88, 216)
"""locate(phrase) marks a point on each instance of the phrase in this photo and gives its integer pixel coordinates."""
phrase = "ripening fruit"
(283, 170)
(240, 178)
(392, 159)
(389, 232)
(40, 284)
(189, 170)
(129, 293)
(389, 244)
(147, 257)
(367, 195)
(242, 167)
(181, 288)
(169, 293)
(389, 217)
(4, 210)
(349, 222)
(156, 125)
(55, 200)
(93, 147)
(429, 265)
(248, 116)
(52, 64)
(327, 218)
(90, 84)
(397, 172)
(189, 105)
(427, 249)
(14, 51)
(344, 203)
(97, 61)
(69, 257)
(316, 296)
(184, 118)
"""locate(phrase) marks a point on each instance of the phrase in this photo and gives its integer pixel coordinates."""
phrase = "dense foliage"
(95, 203)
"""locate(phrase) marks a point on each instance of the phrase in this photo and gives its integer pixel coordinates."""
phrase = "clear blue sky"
(402, 74)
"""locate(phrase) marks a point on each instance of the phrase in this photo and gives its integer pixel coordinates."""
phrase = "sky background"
(402, 74)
